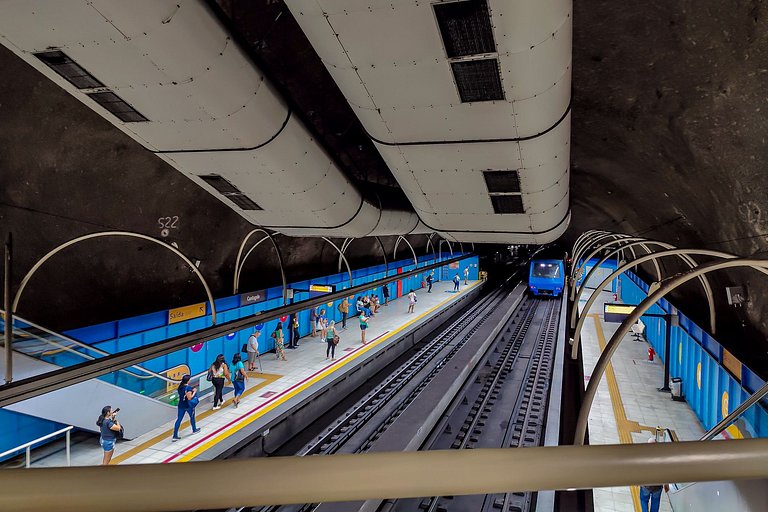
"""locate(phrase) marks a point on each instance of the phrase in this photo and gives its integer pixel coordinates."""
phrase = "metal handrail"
(87, 347)
(378, 476)
(27, 446)
(738, 411)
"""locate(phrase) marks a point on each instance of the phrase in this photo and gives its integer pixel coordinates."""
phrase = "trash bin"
(676, 385)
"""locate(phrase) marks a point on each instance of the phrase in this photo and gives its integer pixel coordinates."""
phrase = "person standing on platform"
(331, 339)
(218, 372)
(363, 326)
(344, 310)
(277, 335)
(411, 301)
(187, 402)
(313, 320)
(650, 495)
(322, 324)
(295, 332)
(253, 349)
(110, 427)
(466, 276)
(429, 282)
(385, 293)
(238, 379)
(456, 282)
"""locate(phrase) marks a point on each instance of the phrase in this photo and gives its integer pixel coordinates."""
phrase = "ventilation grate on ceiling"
(507, 204)
(113, 103)
(231, 192)
(478, 80)
(243, 201)
(465, 28)
(502, 181)
(68, 69)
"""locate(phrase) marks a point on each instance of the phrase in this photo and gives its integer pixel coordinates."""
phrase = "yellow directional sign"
(175, 373)
(186, 313)
(619, 309)
(320, 288)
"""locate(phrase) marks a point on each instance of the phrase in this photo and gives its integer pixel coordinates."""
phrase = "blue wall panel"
(711, 391)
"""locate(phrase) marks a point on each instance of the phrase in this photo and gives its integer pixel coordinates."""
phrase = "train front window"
(546, 270)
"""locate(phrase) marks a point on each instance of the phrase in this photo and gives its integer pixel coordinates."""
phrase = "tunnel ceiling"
(669, 127)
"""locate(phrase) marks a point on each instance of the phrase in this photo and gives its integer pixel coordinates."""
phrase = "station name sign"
(253, 297)
(617, 312)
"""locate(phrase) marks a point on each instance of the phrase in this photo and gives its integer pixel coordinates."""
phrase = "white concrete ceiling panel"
(208, 109)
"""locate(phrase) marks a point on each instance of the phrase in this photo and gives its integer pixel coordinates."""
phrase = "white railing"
(28, 446)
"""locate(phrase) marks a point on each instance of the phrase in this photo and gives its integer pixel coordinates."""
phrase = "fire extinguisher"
(615, 297)
(651, 353)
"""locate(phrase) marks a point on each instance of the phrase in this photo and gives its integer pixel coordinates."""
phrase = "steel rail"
(50, 381)
(127, 488)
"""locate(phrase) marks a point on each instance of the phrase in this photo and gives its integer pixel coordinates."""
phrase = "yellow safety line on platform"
(215, 440)
(624, 426)
(266, 379)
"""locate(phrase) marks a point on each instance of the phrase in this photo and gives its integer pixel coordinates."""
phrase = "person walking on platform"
(294, 332)
(466, 276)
(238, 378)
(218, 372)
(110, 428)
(429, 282)
(456, 282)
(344, 310)
(650, 495)
(331, 339)
(277, 335)
(188, 400)
(253, 350)
(313, 320)
(411, 301)
(385, 293)
(363, 326)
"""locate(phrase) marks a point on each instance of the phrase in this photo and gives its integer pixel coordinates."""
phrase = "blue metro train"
(546, 277)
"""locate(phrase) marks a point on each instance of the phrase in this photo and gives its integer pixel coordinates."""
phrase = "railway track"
(483, 382)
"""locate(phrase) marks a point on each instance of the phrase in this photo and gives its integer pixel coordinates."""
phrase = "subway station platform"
(279, 388)
(628, 406)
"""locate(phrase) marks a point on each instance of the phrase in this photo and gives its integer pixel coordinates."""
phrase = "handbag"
(336, 340)
(192, 402)
(245, 348)
(239, 376)
(120, 434)
(209, 375)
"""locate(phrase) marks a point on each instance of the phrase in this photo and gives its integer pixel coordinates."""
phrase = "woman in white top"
(219, 371)
(253, 350)
(411, 301)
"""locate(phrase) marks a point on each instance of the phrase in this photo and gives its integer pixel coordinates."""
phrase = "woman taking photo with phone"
(188, 400)
(110, 428)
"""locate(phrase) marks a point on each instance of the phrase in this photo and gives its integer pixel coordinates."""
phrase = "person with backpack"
(277, 335)
(344, 310)
(456, 282)
(429, 282)
(217, 373)
(253, 350)
(238, 379)
(188, 400)
(331, 339)
(385, 293)
(110, 430)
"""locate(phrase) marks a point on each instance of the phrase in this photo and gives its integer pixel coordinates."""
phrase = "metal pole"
(69, 453)
(667, 351)
(7, 298)
(28, 456)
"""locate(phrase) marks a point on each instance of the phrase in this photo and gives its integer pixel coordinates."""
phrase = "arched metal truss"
(348, 241)
(397, 243)
(341, 255)
(629, 243)
(645, 305)
(623, 268)
(240, 263)
(102, 234)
